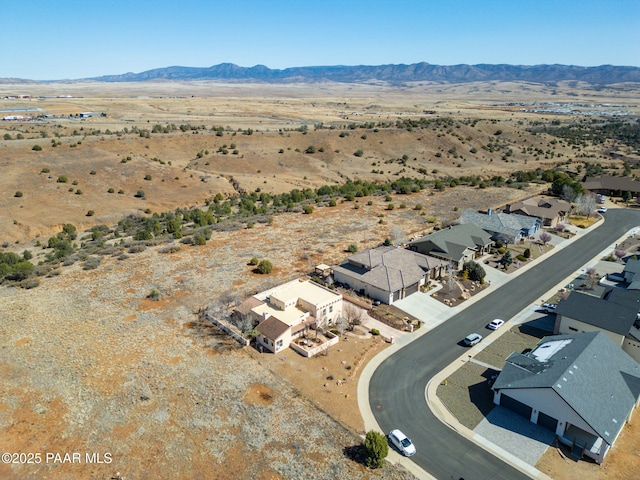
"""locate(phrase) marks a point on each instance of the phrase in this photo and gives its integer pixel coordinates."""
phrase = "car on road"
(602, 209)
(402, 443)
(495, 324)
(472, 339)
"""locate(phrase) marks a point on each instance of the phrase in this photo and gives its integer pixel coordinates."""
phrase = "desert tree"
(619, 253)
(376, 449)
(545, 237)
(586, 204)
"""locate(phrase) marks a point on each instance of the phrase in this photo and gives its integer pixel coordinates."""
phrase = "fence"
(229, 329)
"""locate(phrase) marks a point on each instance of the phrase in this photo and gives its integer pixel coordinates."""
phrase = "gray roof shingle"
(598, 312)
(388, 268)
(596, 378)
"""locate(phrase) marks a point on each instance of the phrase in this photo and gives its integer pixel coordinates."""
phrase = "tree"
(265, 267)
(376, 449)
(545, 237)
(507, 258)
(586, 204)
(474, 271)
(568, 193)
(619, 253)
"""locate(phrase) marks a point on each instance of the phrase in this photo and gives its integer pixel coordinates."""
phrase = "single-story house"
(283, 313)
(509, 228)
(388, 273)
(631, 273)
(612, 185)
(615, 314)
(580, 386)
(456, 244)
(551, 211)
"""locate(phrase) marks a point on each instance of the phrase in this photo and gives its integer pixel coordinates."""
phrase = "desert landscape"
(90, 361)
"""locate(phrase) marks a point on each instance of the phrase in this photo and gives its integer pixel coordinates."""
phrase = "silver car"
(402, 443)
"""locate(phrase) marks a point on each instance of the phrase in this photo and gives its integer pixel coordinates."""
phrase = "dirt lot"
(89, 364)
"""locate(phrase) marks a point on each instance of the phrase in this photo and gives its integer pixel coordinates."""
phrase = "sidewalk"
(439, 314)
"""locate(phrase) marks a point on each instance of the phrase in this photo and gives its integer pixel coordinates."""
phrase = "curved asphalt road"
(397, 387)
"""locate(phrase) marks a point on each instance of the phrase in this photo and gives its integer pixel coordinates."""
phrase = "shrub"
(36, 148)
(375, 331)
(522, 258)
(376, 449)
(45, 170)
(308, 209)
(62, 179)
(111, 190)
(352, 248)
(154, 295)
(254, 261)
(18, 194)
(265, 267)
(527, 253)
(147, 177)
(358, 153)
(199, 240)
(139, 194)
(90, 213)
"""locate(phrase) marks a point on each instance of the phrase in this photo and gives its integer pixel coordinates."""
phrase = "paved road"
(397, 388)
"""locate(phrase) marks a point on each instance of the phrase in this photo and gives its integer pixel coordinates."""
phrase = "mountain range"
(393, 74)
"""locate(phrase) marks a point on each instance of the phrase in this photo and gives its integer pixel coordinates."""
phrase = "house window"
(331, 309)
(279, 344)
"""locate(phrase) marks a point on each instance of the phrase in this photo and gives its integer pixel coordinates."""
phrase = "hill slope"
(601, 75)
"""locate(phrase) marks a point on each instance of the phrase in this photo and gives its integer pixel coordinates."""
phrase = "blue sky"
(61, 39)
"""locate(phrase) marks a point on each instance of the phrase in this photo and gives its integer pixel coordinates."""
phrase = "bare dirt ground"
(88, 364)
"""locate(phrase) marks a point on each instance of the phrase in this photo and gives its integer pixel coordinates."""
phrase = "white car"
(472, 339)
(402, 443)
(549, 307)
(602, 209)
(495, 324)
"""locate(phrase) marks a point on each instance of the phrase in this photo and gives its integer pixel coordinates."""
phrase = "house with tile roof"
(388, 273)
(283, 313)
(510, 228)
(581, 386)
(615, 314)
(456, 244)
(551, 211)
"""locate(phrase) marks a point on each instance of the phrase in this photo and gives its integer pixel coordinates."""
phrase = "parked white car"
(495, 324)
(602, 209)
(549, 307)
(402, 443)
(472, 339)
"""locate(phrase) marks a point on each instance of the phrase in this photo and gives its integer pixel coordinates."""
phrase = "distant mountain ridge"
(601, 75)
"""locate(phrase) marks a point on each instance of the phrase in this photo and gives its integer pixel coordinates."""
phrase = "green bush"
(375, 331)
(254, 261)
(265, 267)
(352, 248)
(62, 179)
(154, 295)
(139, 194)
(522, 258)
(308, 209)
(376, 449)
(18, 194)
(36, 148)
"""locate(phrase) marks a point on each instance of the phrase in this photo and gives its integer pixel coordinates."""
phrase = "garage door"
(546, 421)
(513, 404)
(411, 289)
